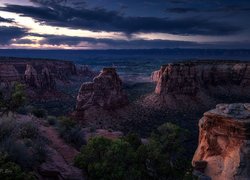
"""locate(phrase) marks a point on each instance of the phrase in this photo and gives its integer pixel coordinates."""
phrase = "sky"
(124, 24)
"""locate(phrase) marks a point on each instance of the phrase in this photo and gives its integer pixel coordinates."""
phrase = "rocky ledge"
(224, 143)
(191, 84)
(104, 94)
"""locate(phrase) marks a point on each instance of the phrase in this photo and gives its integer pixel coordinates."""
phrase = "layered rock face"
(202, 82)
(224, 143)
(44, 80)
(8, 74)
(104, 93)
(36, 73)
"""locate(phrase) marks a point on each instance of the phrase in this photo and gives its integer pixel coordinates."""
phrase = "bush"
(71, 132)
(11, 171)
(28, 130)
(7, 126)
(73, 136)
(66, 122)
(22, 142)
(52, 120)
(164, 155)
(133, 139)
(39, 113)
(107, 159)
(12, 101)
(162, 158)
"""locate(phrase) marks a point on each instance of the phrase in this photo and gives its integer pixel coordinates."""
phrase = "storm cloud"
(7, 34)
(99, 19)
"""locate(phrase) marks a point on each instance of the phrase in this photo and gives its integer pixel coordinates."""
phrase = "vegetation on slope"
(161, 158)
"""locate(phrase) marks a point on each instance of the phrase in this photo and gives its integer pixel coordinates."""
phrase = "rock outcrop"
(8, 74)
(186, 84)
(103, 94)
(37, 74)
(224, 143)
(45, 80)
(156, 75)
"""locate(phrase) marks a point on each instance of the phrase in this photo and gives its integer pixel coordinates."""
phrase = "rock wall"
(201, 83)
(103, 94)
(44, 80)
(40, 74)
(224, 143)
(8, 74)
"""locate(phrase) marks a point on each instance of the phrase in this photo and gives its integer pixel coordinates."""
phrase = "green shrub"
(11, 171)
(71, 132)
(13, 100)
(162, 158)
(133, 139)
(22, 142)
(52, 120)
(164, 155)
(28, 130)
(107, 159)
(67, 122)
(39, 113)
(7, 127)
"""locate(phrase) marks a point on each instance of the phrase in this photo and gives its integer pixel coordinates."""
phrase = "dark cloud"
(5, 20)
(99, 19)
(24, 41)
(224, 9)
(48, 2)
(115, 44)
(182, 10)
(135, 44)
(7, 34)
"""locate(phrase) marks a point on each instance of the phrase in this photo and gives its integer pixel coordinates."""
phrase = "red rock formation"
(156, 75)
(39, 75)
(8, 74)
(45, 80)
(104, 93)
(182, 85)
(224, 143)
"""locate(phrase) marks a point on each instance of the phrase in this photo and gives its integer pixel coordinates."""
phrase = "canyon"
(192, 85)
(224, 138)
(103, 105)
(41, 77)
(36, 73)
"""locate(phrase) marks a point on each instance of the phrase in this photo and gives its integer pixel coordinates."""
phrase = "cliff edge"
(194, 84)
(224, 143)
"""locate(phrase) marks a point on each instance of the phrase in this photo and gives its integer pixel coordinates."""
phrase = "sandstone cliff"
(44, 80)
(39, 74)
(195, 84)
(8, 74)
(224, 143)
(103, 95)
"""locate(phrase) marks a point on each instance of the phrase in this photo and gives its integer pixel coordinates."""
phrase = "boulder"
(224, 143)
